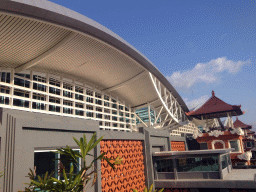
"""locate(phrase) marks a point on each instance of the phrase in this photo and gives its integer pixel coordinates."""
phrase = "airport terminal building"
(63, 75)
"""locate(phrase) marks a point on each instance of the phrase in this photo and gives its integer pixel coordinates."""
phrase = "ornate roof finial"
(236, 118)
(213, 94)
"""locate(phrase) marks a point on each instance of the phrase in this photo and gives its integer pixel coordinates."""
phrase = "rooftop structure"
(63, 75)
(199, 169)
(70, 65)
(215, 108)
(239, 123)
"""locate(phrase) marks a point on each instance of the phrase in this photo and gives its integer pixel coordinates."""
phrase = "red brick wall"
(218, 145)
(225, 138)
(178, 146)
(127, 176)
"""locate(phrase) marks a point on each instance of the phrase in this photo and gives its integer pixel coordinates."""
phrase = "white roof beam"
(125, 82)
(46, 54)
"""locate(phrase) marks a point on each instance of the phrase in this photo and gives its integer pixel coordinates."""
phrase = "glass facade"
(143, 114)
(197, 164)
(224, 161)
(49, 93)
(164, 165)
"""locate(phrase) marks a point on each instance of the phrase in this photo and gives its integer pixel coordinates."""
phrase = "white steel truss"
(169, 114)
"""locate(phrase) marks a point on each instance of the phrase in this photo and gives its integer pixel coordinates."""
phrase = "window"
(67, 110)
(48, 161)
(79, 105)
(248, 144)
(39, 97)
(4, 100)
(203, 146)
(253, 155)
(21, 82)
(79, 97)
(194, 164)
(229, 159)
(79, 89)
(67, 94)
(39, 106)
(54, 91)
(224, 161)
(89, 114)
(234, 144)
(54, 82)
(54, 100)
(67, 86)
(54, 108)
(164, 165)
(98, 102)
(4, 89)
(79, 112)
(89, 100)
(68, 103)
(39, 78)
(20, 103)
(21, 93)
(5, 77)
(39, 87)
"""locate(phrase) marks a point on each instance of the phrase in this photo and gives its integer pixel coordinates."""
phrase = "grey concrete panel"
(205, 183)
(158, 132)
(176, 138)
(198, 175)
(149, 161)
(121, 135)
(34, 131)
(164, 176)
(159, 141)
(157, 148)
(225, 172)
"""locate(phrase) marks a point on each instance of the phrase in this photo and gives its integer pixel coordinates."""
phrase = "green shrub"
(149, 190)
(72, 182)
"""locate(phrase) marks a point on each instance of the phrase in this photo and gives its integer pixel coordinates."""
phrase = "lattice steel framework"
(165, 112)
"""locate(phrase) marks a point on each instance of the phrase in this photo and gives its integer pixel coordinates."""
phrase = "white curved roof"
(43, 36)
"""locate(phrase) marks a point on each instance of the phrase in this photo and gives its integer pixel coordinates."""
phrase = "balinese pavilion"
(249, 138)
(217, 136)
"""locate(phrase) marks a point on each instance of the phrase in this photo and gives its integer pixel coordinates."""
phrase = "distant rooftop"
(215, 108)
(239, 123)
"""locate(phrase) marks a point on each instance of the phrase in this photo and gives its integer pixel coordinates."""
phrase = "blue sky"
(198, 45)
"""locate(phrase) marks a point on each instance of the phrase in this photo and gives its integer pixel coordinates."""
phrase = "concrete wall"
(23, 132)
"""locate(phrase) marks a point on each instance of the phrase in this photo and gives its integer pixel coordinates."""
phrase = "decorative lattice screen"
(127, 176)
(178, 146)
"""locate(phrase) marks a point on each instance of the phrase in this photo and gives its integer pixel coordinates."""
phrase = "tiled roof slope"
(215, 107)
(239, 123)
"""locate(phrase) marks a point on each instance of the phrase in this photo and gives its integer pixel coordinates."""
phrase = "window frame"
(239, 145)
(52, 150)
(250, 144)
(206, 145)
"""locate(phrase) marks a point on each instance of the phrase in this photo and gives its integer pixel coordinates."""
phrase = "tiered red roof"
(215, 108)
(249, 132)
(239, 123)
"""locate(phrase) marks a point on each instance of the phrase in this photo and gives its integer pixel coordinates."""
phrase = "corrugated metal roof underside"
(83, 57)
